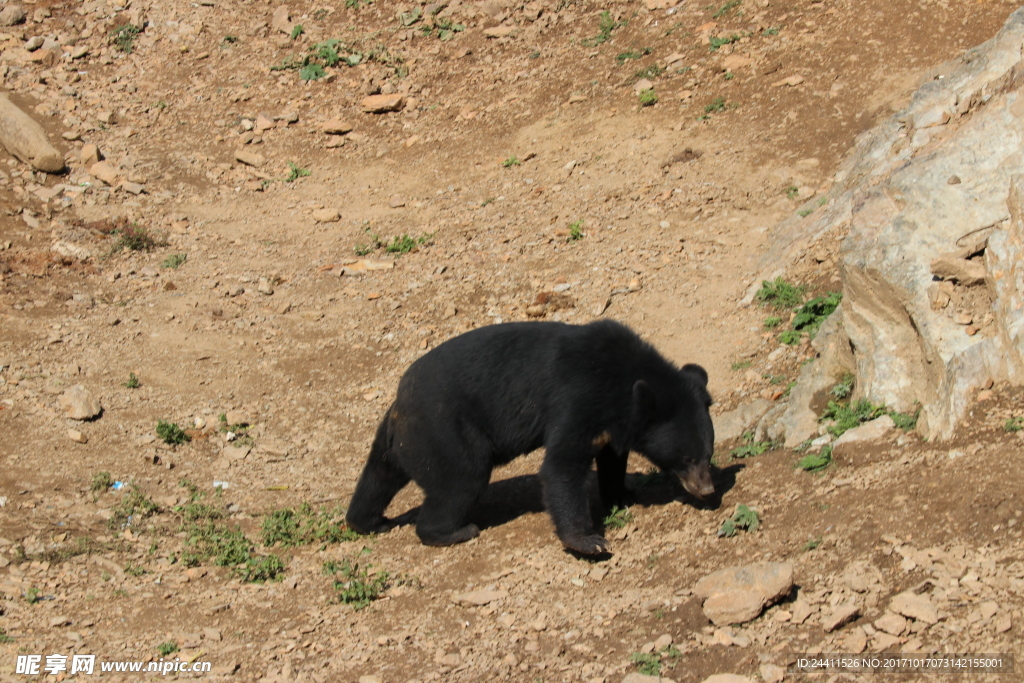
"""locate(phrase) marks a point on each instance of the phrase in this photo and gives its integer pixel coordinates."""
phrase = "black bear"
(583, 392)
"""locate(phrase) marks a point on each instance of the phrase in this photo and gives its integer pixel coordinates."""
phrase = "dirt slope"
(504, 144)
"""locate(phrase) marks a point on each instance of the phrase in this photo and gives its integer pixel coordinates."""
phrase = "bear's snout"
(697, 481)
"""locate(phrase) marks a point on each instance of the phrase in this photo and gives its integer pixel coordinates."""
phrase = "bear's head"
(672, 427)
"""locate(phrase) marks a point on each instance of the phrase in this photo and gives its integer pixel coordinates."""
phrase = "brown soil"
(675, 201)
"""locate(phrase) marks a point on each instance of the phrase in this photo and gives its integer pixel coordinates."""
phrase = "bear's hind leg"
(381, 479)
(442, 518)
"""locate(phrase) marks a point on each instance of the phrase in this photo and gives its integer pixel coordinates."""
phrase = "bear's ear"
(697, 372)
(643, 399)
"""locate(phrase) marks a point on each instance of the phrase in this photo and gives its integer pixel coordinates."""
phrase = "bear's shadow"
(507, 499)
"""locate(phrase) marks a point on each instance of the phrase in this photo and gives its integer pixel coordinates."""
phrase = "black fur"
(583, 392)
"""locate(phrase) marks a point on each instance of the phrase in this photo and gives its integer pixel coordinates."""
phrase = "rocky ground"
(255, 258)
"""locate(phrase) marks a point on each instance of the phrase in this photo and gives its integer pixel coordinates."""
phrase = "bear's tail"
(381, 479)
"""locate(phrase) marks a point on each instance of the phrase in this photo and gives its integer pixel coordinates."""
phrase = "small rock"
(79, 404)
(380, 104)
(89, 154)
(642, 84)
(105, 172)
(734, 62)
(732, 424)
(59, 621)
(915, 606)
(841, 616)
(869, 431)
(12, 15)
(326, 215)
(891, 623)
(281, 20)
(856, 640)
(211, 634)
(336, 127)
(959, 270)
(643, 678)
(791, 81)
(263, 123)
(772, 673)
(739, 594)
(396, 202)
(264, 286)
(77, 436)
(480, 597)
(662, 641)
(249, 158)
(954, 180)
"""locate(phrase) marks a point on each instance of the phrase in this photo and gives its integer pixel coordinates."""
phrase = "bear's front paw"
(588, 545)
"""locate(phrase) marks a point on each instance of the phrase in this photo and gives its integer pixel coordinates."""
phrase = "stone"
(732, 424)
(959, 270)
(734, 62)
(263, 123)
(891, 623)
(901, 215)
(265, 286)
(249, 158)
(869, 431)
(480, 597)
(237, 417)
(642, 84)
(12, 15)
(841, 616)
(915, 606)
(281, 20)
(644, 678)
(336, 127)
(856, 640)
(738, 594)
(77, 436)
(381, 104)
(326, 216)
(105, 172)
(772, 673)
(89, 155)
(499, 31)
(79, 404)
(791, 81)
(25, 139)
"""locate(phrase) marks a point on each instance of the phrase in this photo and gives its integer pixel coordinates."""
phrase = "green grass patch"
(133, 382)
(771, 31)
(606, 24)
(751, 448)
(288, 527)
(628, 55)
(4, 638)
(174, 261)
(650, 73)
(741, 365)
(648, 98)
(511, 161)
(779, 294)
(297, 31)
(790, 337)
(1014, 424)
(101, 481)
(575, 232)
(726, 8)
(134, 237)
(167, 648)
(355, 586)
(804, 213)
(133, 508)
(744, 518)
(846, 416)
(648, 664)
(295, 172)
(123, 37)
(812, 543)
(717, 42)
(617, 518)
(772, 321)
(815, 462)
(844, 388)
(812, 314)
(792, 192)
(170, 433)
(33, 595)
(718, 104)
